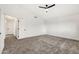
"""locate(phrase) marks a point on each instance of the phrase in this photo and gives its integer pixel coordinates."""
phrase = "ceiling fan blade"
(51, 6)
(42, 7)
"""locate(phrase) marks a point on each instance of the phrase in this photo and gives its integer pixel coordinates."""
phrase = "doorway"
(11, 26)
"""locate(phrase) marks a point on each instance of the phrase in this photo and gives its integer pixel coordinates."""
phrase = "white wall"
(63, 21)
(67, 26)
(2, 36)
(30, 26)
(0, 31)
(0, 22)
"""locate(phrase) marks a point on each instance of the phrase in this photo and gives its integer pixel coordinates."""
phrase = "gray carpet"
(43, 44)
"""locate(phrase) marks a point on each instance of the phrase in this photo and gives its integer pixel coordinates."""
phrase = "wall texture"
(31, 26)
(67, 26)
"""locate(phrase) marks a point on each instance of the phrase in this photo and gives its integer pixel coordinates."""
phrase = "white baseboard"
(64, 37)
(30, 36)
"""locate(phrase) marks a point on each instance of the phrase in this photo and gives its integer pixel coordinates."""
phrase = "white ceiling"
(23, 10)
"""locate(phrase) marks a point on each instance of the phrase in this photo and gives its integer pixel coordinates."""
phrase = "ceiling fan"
(47, 6)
